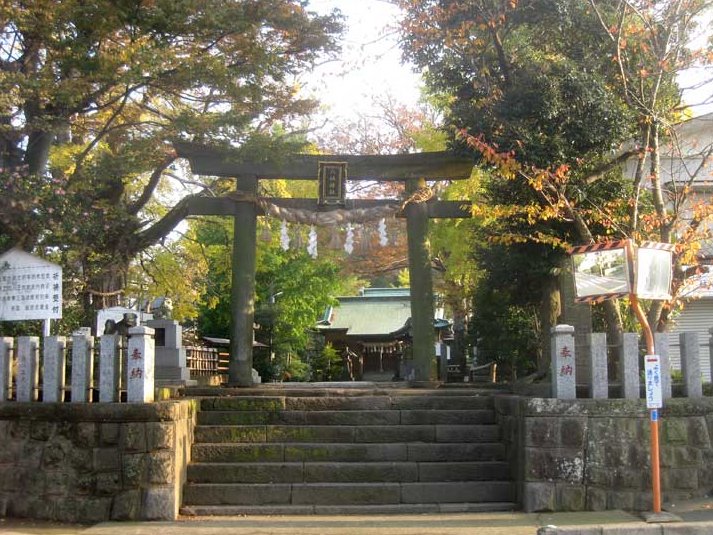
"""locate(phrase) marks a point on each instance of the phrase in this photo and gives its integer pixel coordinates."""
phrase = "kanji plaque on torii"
(412, 169)
(332, 178)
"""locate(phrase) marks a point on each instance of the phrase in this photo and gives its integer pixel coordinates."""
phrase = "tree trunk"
(654, 314)
(657, 192)
(638, 178)
(40, 137)
(105, 289)
(550, 308)
(38, 151)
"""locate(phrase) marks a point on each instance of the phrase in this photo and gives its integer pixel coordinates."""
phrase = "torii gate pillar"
(242, 293)
(419, 260)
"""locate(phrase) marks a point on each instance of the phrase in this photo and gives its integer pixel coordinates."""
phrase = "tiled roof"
(363, 316)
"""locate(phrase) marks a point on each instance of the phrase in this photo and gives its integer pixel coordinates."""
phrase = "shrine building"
(374, 330)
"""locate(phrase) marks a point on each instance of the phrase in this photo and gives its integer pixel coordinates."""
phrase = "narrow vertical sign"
(332, 178)
(652, 370)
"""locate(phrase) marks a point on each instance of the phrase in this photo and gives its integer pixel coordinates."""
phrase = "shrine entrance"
(331, 208)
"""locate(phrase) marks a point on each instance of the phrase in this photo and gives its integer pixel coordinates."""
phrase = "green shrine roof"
(374, 312)
(369, 315)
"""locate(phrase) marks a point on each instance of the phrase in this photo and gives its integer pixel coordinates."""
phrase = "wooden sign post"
(413, 169)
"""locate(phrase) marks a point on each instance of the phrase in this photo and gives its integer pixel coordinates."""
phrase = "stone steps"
(362, 510)
(323, 451)
(347, 433)
(344, 451)
(353, 417)
(344, 472)
(350, 390)
(364, 403)
(347, 493)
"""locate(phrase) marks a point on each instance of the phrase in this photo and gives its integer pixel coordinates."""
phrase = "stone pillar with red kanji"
(140, 366)
(564, 383)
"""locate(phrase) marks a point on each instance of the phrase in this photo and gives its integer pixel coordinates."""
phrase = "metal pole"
(654, 413)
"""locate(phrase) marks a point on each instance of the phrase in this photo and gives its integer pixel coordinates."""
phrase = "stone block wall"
(507, 412)
(586, 454)
(94, 462)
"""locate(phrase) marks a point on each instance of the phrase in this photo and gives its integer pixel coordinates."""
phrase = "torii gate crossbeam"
(413, 169)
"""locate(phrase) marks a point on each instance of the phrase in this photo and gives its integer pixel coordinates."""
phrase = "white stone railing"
(564, 369)
(20, 358)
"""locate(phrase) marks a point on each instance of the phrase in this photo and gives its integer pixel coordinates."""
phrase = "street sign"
(30, 287)
(653, 270)
(601, 271)
(652, 371)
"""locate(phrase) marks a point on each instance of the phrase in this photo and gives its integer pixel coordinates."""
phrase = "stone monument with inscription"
(171, 368)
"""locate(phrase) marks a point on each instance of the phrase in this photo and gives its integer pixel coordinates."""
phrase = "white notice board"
(30, 287)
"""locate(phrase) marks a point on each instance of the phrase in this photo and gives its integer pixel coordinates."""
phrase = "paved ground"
(463, 524)
(700, 510)
(697, 516)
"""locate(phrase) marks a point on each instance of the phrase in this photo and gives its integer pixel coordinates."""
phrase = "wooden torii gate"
(413, 169)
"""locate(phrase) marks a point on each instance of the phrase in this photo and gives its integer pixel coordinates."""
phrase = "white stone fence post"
(628, 368)
(33, 368)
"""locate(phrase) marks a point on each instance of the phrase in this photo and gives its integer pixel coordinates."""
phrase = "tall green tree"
(538, 90)
(94, 91)
(506, 74)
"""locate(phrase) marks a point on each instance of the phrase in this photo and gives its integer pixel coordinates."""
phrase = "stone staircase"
(347, 452)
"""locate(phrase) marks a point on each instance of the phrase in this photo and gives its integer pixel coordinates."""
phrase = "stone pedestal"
(171, 368)
(6, 345)
(598, 371)
(28, 368)
(691, 365)
(82, 367)
(53, 368)
(661, 347)
(140, 368)
(563, 362)
(109, 368)
(629, 367)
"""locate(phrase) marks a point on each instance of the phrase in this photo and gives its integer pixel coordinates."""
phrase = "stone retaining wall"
(94, 462)
(585, 454)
